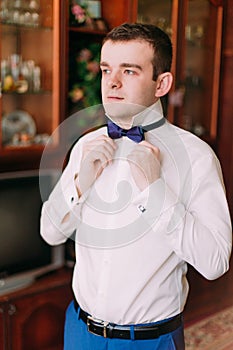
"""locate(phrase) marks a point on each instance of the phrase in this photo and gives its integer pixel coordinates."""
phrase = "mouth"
(115, 98)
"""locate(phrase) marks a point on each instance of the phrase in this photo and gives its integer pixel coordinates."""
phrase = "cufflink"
(141, 208)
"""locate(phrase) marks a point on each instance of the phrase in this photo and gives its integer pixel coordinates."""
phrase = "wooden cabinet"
(30, 35)
(225, 127)
(33, 318)
(2, 328)
(195, 28)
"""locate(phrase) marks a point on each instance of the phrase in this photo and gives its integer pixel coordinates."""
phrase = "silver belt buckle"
(101, 323)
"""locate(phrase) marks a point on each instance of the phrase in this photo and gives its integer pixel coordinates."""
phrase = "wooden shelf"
(86, 30)
(35, 45)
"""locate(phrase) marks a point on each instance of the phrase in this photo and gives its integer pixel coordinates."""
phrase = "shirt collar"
(149, 115)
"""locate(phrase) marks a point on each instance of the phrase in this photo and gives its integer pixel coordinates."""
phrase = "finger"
(103, 141)
(155, 150)
(102, 155)
(101, 144)
(106, 150)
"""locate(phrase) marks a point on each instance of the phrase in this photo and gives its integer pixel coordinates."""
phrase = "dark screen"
(21, 246)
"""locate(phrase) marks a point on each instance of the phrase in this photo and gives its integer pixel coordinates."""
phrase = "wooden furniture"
(30, 54)
(225, 126)
(33, 317)
(196, 31)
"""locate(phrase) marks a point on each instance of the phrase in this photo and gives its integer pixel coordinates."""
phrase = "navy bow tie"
(115, 132)
(136, 133)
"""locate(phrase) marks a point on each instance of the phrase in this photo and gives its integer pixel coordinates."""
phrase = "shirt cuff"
(65, 200)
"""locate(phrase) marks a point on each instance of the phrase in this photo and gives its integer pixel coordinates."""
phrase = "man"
(145, 199)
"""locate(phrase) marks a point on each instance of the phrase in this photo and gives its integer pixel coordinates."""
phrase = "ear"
(164, 83)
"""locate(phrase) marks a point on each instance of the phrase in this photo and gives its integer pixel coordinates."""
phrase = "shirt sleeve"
(61, 213)
(199, 231)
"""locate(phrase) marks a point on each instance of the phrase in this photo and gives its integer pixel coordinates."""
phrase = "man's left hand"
(144, 162)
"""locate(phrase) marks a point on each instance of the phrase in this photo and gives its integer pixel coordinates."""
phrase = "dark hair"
(156, 37)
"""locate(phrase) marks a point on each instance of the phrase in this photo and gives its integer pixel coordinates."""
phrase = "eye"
(105, 71)
(129, 72)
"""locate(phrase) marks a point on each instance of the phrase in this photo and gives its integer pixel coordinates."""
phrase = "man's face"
(127, 85)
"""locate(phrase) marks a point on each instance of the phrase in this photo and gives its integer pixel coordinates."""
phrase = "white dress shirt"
(132, 247)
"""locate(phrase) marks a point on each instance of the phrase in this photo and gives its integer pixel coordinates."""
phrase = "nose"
(114, 81)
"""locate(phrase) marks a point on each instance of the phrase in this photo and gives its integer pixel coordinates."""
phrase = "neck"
(124, 124)
(147, 115)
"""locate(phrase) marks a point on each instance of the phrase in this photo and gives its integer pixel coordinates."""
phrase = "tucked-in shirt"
(132, 246)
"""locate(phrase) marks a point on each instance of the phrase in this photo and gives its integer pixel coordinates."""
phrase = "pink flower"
(93, 67)
(79, 13)
(84, 55)
(76, 94)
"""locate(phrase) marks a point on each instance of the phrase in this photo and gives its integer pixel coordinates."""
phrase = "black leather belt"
(111, 330)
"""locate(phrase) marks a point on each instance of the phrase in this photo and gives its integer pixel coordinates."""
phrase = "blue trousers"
(77, 337)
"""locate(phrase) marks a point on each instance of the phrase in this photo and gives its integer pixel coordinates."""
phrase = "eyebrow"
(123, 65)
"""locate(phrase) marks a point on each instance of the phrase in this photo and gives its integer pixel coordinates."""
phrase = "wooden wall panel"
(118, 12)
(225, 128)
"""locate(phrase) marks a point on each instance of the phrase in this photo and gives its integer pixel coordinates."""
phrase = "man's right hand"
(97, 154)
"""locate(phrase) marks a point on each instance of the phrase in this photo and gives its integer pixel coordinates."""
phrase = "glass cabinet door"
(195, 27)
(29, 53)
(156, 12)
(203, 33)
(161, 14)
